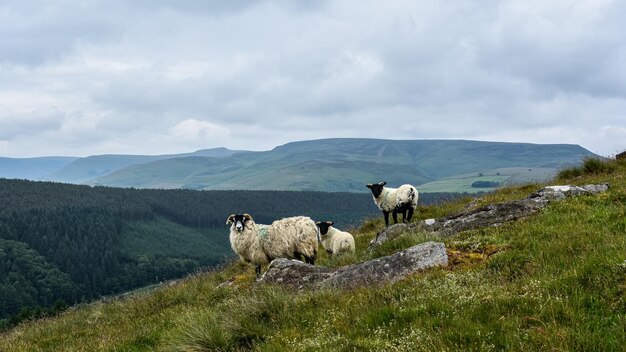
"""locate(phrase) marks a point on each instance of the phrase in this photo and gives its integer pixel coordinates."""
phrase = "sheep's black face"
(376, 188)
(239, 220)
(323, 226)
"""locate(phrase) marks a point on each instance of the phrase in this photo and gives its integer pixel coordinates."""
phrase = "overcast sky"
(150, 77)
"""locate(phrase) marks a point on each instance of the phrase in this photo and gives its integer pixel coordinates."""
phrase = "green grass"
(506, 176)
(554, 281)
(589, 166)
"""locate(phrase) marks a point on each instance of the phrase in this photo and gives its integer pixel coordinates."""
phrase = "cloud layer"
(79, 78)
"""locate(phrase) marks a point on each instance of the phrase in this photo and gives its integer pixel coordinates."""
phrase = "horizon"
(298, 141)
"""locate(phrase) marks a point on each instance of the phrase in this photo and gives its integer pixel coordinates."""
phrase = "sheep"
(258, 244)
(395, 200)
(334, 241)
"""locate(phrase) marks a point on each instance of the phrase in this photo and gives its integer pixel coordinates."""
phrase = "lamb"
(334, 241)
(258, 244)
(395, 200)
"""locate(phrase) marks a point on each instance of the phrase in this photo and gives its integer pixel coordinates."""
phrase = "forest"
(61, 244)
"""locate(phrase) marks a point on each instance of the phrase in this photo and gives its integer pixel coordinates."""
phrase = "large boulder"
(296, 274)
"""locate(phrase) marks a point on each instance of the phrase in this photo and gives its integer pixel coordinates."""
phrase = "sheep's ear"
(247, 216)
(318, 223)
(230, 219)
(382, 183)
(330, 223)
(369, 185)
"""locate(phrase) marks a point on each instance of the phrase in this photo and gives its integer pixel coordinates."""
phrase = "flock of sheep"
(298, 237)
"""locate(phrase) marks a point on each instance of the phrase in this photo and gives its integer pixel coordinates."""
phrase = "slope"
(32, 168)
(344, 164)
(556, 281)
(84, 169)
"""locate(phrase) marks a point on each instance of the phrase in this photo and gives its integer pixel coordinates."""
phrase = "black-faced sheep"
(334, 241)
(395, 200)
(291, 238)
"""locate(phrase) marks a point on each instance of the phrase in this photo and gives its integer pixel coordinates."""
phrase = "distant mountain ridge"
(85, 169)
(337, 164)
(344, 164)
(32, 168)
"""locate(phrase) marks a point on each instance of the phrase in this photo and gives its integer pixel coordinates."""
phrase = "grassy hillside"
(554, 281)
(504, 176)
(32, 168)
(91, 167)
(345, 165)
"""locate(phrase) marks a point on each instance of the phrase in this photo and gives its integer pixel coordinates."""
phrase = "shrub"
(485, 184)
(590, 166)
(597, 166)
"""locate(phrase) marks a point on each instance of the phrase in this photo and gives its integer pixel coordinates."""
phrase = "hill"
(329, 165)
(91, 167)
(32, 168)
(345, 165)
(555, 280)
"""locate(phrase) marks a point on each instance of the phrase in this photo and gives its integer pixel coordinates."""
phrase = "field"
(505, 176)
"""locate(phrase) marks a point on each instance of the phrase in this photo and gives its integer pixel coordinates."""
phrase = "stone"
(390, 233)
(490, 215)
(594, 189)
(392, 268)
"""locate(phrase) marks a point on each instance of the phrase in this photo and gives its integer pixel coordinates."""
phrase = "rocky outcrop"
(490, 215)
(293, 273)
(296, 274)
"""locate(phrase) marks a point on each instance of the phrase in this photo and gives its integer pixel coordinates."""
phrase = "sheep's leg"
(386, 214)
(257, 269)
(409, 214)
(309, 260)
(297, 255)
(395, 217)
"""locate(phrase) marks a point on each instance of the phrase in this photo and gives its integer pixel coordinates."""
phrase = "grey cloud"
(14, 123)
(557, 54)
(40, 31)
(276, 71)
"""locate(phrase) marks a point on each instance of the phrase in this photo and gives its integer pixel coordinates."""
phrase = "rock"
(226, 283)
(490, 215)
(390, 233)
(296, 274)
(396, 230)
(594, 189)
(558, 192)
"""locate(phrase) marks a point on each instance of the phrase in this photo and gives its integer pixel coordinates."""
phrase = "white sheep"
(395, 200)
(294, 237)
(334, 241)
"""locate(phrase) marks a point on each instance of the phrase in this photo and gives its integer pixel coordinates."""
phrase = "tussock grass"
(554, 281)
(589, 166)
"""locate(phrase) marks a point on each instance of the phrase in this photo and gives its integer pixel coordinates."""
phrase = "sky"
(80, 78)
